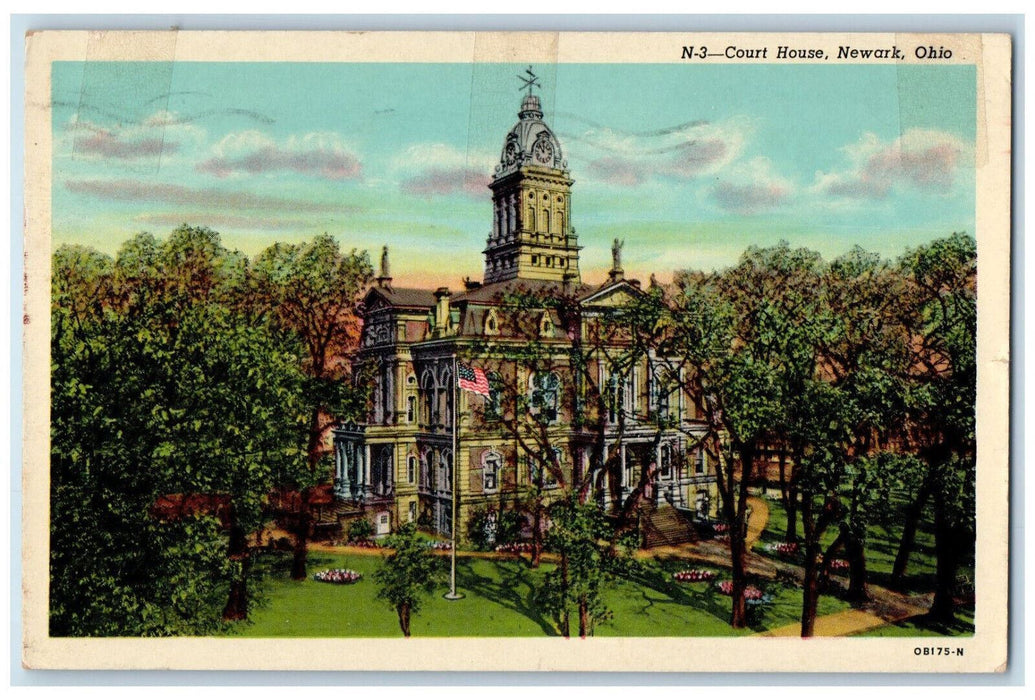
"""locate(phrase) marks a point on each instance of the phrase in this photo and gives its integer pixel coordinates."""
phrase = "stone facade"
(604, 427)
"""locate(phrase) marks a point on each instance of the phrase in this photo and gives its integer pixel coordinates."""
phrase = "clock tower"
(531, 236)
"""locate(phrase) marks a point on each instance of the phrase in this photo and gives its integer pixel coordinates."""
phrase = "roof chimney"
(441, 311)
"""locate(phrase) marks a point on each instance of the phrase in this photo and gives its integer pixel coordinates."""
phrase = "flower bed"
(787, 549)
(839, 565)
(721, 528)
(750, 593)
(694, 575)
(340, 576)
(439, 545)
(515, 548)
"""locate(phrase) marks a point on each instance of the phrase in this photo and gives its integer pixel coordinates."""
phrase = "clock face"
(543, 151)
(510, 155)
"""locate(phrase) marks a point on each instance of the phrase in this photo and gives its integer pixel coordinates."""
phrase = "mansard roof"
(400, 297)
(495, 292)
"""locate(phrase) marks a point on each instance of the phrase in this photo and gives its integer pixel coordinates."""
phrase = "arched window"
(492, 464)
(382, 476)
(546, 219)
(411, 468)
(531, 219)
(445, 397)
(445, 471)
(428, 397)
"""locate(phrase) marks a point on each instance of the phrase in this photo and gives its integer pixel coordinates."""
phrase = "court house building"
(569, 408)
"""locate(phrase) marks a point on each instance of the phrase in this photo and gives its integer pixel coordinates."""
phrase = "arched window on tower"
(546, 220)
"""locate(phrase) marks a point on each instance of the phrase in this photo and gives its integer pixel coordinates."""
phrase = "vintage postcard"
(517, 351)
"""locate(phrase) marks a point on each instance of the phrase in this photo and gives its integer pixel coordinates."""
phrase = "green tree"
(940, 311)
(745, 336)
(312, 292)
(160, 387)
(407, 575)
(590, 559)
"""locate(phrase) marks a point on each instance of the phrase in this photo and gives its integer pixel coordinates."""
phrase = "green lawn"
(499, 602)
(921, 627)
(881, 549)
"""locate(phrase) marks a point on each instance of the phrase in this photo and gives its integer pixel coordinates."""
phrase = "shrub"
(360, 530)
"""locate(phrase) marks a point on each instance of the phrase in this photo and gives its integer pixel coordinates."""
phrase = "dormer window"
(546, 325)
(492, 323)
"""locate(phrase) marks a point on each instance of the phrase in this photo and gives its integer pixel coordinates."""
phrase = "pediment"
(616, 295)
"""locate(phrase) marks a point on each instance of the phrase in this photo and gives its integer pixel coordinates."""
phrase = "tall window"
(615, 397)
(538, 470)
(545, 396)
(700, 461)
(429, 398)
(666, 462)
(425, 469)
(383, 472)
(494, 402)
(411, 408)
(411, 468)
(491, 465)
(445, 471)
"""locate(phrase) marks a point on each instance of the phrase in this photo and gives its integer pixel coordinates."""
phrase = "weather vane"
(531, 81)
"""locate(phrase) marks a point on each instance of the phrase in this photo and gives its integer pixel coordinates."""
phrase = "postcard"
(516, 351)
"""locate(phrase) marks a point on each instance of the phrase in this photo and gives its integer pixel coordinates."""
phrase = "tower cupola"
(532, 236)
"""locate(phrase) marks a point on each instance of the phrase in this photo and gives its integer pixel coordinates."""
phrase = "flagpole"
(453, 595)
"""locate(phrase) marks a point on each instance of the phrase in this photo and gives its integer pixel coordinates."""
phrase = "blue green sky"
(687, 164)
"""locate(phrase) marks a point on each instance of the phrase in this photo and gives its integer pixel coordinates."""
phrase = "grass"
(499, 602)
(881, 549)
(921, 626)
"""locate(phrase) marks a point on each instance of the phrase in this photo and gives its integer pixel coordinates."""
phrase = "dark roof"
(423, 298)
(494, 292)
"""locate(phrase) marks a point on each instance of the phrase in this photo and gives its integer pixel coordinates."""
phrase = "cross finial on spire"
(531, 81)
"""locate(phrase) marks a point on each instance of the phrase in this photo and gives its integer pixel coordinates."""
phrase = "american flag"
(472, 379)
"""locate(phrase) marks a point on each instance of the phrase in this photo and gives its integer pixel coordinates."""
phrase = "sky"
(688, 165)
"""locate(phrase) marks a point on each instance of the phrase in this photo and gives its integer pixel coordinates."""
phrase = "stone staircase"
(664, 526)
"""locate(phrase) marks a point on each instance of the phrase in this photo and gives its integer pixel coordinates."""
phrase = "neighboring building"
(398, 464)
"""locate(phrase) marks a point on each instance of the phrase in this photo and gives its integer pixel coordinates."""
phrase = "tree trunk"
(856, 554)
(301, 550)
(404, 618)
(791, 535)
(738, 545)
(810, 591)
(537, 535)
(946, 547)
(583, 617)
(565, 626)
(905, 547)
(237, 602)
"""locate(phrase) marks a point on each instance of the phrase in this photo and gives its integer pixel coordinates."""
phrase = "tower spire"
(385, 278)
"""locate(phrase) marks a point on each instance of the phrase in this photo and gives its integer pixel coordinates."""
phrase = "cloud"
(138, 191)
(752, 188)
(322, 155)
(156, 136)
(437, 169)
(924, 160)
(108, 144)
(683, 152)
